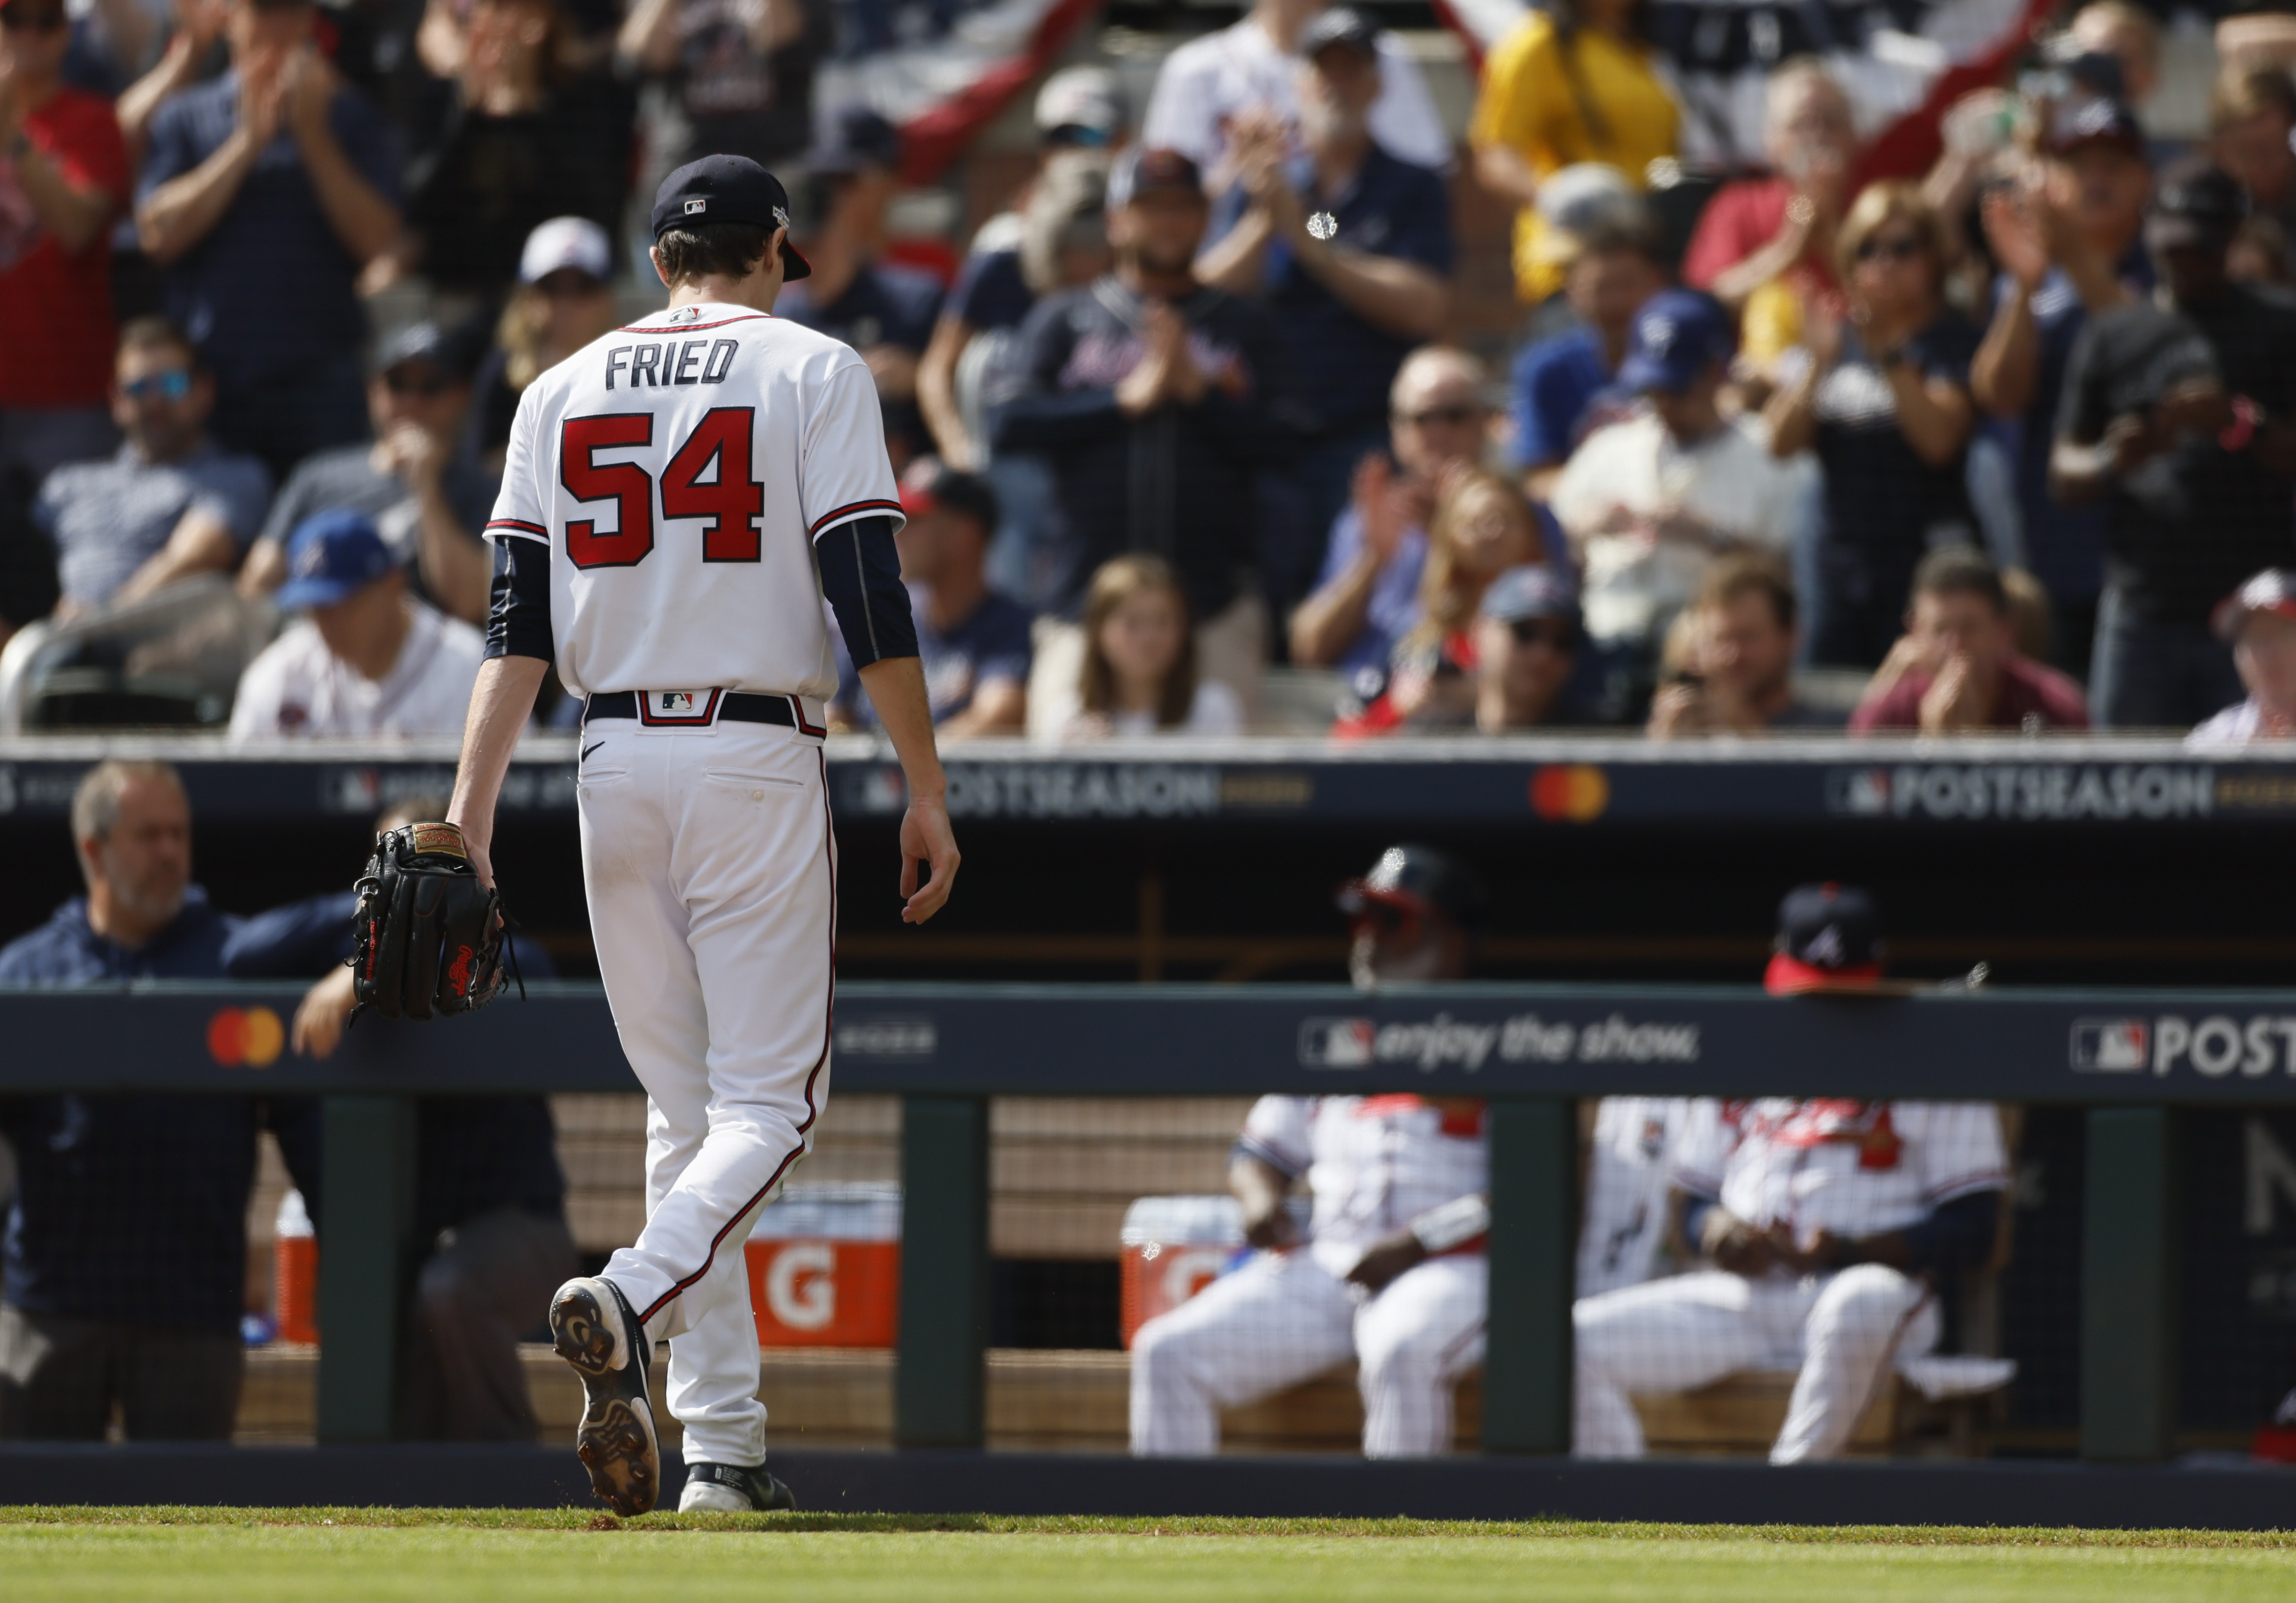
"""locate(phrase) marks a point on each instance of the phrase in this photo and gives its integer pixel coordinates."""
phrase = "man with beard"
(1390, 1270)
(1157, 400)
(126, 1260)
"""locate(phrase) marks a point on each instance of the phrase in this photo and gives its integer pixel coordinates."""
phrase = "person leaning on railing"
(125, 1257)
(1957, 669)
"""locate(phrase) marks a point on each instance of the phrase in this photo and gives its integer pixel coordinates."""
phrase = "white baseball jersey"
(655, 463)
(1628, 1177)
(297, 688)
(1373, 1164)
(1852, 1168)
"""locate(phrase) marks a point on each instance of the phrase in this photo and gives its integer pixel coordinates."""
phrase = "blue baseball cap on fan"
(333, 555)
(1677, 335)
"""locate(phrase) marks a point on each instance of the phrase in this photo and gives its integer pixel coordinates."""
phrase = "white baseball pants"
(1844, 1330)
(712, 880)
(1282, 1318)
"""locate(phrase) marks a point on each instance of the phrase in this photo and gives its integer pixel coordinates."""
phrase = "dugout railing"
(2130, 1058)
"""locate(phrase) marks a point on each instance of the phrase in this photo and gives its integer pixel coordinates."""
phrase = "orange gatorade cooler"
(1173, 1246)
(826, 1266)
(295, 1271)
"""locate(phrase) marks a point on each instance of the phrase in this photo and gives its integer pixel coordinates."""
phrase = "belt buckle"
(678, 709)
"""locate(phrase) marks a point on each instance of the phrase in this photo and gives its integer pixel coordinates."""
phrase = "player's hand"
(322, 1015)
(1387, 1258)
(926, 837)
(1737, 1245)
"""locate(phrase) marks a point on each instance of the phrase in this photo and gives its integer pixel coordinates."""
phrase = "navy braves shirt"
(132, 1207)
(1344, 365)
(267, 293)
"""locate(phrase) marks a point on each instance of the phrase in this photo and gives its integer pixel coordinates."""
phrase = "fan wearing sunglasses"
(1884, 400)
(64, 178)
(170, 504)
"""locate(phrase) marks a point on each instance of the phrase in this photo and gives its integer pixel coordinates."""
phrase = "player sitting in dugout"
(1827, 1226)
(1390, 1270)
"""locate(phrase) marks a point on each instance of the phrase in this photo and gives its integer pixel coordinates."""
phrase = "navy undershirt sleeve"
(518, 623)
(861, 576)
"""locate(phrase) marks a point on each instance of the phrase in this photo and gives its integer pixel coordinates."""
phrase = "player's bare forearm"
(501, 701)
(1260, 1189)
(896, 689)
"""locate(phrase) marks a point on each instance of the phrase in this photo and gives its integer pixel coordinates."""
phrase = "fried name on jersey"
(672, 361)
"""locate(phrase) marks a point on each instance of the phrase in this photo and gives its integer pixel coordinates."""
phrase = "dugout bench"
(2131, 1057)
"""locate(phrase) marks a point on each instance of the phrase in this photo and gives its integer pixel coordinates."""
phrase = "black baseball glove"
(430, 935)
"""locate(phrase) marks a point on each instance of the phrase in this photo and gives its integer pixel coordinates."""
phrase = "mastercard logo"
(249, 1037)
(1570, 792)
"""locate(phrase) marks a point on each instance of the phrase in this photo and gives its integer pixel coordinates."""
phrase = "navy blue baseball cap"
(1829, 939)
(333, 555)
(853, 139)
(1677, 335)
(1143, 167)
(727, 189)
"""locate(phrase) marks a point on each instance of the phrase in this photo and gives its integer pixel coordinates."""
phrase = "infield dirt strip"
(260, 1555)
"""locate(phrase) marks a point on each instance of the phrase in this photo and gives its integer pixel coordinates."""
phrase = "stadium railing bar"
(2131, 1057)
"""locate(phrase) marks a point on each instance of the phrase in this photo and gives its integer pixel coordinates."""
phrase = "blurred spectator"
(2260, 622)
(264, 193)
(1481, 528)
(369, 660)
(1209, 82)
(1827, 1223)
(1574, 82)
(2127, 33)
(491, 1216)
(1737, 677)
(564, 299)
(1649, 501)
(1526, 638)
(2068, 247)
(1368, 596)
(1079, 119)
(525, 141)
(63, 179)
(1782, 226)
(1884, 398)
(1060, 242)
(1350, 248)
(1558, 386)
(2253, 117)
(973, 643)
(1140, 674)
(2259, 254)
(428, 500)
(2175, 415)
(883, 310)
(126, 1252)
(170, 504)
(734, 78)
(1156, 399)
(1389, 1269)
(1959, 669)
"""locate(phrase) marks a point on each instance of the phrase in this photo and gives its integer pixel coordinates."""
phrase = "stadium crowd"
(2008, 434)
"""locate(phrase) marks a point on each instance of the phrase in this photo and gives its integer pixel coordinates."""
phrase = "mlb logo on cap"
(698, 203)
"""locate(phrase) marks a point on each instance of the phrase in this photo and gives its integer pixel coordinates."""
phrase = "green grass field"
(256, 1555)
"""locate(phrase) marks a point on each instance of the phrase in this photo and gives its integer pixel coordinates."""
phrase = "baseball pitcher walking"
(679, 499)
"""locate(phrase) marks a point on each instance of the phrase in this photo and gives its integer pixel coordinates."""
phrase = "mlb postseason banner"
(1567, 785)
(2069, 1047)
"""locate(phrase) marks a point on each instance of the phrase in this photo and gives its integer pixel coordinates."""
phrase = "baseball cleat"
(594, 1329)
(732, 1489)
